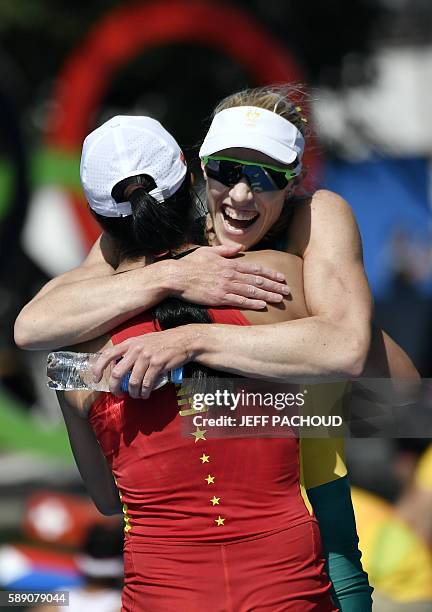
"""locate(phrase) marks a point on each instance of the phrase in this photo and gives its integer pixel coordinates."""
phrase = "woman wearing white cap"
(321, 231)
(214, 524)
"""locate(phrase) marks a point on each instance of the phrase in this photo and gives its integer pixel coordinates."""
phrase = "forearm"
(91, 300)
(91, 463)
(306, 347)
(75, 312)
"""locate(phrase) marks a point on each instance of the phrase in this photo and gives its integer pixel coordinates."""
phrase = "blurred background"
(64, 69)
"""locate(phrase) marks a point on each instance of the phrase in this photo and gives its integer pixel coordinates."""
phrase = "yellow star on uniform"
(199, 434)
(219, 521)
(205, 458)
(210, 479)
(215, 500)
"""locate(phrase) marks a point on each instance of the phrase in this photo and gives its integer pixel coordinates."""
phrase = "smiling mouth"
(239, 219)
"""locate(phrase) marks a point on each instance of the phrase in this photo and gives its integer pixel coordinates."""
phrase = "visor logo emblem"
(252, 117)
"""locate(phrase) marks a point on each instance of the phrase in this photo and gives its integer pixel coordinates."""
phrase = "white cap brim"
(254, 128)
(268, 146)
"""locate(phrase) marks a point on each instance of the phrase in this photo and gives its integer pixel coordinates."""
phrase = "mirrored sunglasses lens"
(257, 179)
(278, 178)
(214, 170)
(229, 173)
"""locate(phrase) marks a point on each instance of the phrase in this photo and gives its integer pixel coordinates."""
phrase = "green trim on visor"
(288, 173)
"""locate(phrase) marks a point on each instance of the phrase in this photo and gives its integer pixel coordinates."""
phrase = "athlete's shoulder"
(324, 200)
(319, 216)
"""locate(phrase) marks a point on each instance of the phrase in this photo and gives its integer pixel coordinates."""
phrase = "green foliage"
(19, 431)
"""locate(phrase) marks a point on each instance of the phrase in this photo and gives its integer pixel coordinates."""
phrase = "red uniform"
(215, 525)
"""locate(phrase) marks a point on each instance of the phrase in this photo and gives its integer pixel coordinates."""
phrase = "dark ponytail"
(162, 226)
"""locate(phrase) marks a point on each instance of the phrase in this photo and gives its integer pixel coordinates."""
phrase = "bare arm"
(88, 455)
(87, 301)
(91, 299)
(335, 339)
(385, 358)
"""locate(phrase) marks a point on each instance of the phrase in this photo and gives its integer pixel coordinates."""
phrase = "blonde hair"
(285, 100)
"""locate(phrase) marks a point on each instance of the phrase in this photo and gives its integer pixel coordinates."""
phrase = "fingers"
(120, 370)
(152, 374)
(266, 289)
(144, 376)
(243, 302)
(253, 288)
(146, 358)
(258, 270)
(139, 370)
(252, 292)
(217, 279)
(136, 362)
(105, 358)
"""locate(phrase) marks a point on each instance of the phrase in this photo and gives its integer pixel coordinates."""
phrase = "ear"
(292, 185)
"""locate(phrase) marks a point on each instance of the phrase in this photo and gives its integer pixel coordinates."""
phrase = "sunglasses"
(261, 177)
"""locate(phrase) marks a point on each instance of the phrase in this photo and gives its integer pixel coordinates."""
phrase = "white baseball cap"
(254, 128)
(127, 146)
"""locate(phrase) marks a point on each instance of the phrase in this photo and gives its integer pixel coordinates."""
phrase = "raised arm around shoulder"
(334, 339)
(93, 299)
(36, 315)
(336, 288)
(87, 301)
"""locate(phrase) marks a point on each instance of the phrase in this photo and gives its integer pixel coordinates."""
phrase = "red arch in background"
(127, 31)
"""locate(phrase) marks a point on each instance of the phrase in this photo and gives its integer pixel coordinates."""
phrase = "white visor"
(254, 128)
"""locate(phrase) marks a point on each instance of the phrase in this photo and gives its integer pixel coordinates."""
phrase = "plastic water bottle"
(67, 371)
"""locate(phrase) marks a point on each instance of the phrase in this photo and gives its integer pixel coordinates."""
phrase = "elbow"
(27, 332)
(106, 499)
(22, 334)
(356, 365)
(353, 360)
(108, 509)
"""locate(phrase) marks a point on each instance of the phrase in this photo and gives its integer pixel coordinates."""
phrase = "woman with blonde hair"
(252, 159)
